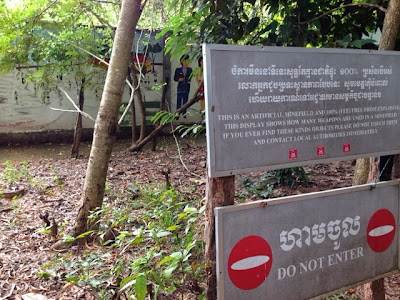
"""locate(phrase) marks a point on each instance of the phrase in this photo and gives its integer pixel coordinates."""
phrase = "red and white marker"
(381, 230)
(249, 262)
(320, 151)
(346, 147)
(293, 154)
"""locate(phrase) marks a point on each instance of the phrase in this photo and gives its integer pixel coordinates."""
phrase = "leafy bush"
(156, 247)
(266, 187)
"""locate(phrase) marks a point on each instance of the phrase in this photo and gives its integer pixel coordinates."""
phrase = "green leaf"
(173, 227)
(94, 282)
(163, 233)
(68, 239)
(164, 260)
(127, 283)
(141, 286)
(44, 275)
(72, 279)
(358, 44)
(252, 25)
(176, 255)
(168, 271)
(84, 234)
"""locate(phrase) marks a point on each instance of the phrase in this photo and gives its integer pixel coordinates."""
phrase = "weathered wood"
(220, 192)
(361, 171)
(396, 166)
(163, 99)
(374, 290)
(78, 123)
(373, 169)
(391, 23)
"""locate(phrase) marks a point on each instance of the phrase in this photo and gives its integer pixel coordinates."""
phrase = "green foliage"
(163, 117)
(45, 40)
(157, 246)
(266, 186)
(11, 174)
(341, 296)
(192, 130)
(316, 23)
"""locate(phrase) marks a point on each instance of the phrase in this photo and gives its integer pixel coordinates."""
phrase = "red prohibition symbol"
(249, 262)
(381, 230)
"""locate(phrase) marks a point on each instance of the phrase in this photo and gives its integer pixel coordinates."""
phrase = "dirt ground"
(55, 183)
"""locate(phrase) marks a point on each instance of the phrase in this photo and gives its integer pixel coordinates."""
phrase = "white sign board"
(300, 247)
(278, 107)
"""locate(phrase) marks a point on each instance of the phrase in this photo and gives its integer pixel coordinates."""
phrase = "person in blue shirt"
(183, 75)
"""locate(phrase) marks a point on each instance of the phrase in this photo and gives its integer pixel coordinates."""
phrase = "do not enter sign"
(381, 230)
(249, 262)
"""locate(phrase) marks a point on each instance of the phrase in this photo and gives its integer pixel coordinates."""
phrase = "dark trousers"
(181, 99)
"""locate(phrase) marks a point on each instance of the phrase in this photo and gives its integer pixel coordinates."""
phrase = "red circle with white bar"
(249, 262)
(381, 230)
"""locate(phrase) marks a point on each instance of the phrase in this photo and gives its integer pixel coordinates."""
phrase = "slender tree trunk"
(361, 171)
(220, 192)
(140, 103)
(163, 97)
(387, 42)
(107, 118)
(396, 167)
(78, 123)
(376, 289)
(133, 108)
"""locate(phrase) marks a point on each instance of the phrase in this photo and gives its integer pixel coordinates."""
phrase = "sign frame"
(221, 211)
(209, 85)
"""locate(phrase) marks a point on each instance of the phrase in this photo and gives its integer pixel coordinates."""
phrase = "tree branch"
(148, 138)
(101, 20)
(39, 13)
(376, 6)
(76, 107)
(108, 2)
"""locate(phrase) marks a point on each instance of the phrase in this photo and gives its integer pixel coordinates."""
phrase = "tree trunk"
(396, 167)
(133, 111)
(78, 123)
(387, 42)
(390, 26)
(376, 289)
(107, 118)
(373, 170)
(361, 171)
(140, 102)
(220, 192)
(163, 97)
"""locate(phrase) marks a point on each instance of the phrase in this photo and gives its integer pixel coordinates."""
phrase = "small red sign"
(292, 154)
(320, 151)
(249, 262)
(381, 230)
(346, 147)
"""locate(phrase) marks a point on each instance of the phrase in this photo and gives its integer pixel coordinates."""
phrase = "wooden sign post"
(220, 192)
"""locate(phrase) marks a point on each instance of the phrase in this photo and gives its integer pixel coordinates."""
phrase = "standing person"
(199, 79)
(183, 76)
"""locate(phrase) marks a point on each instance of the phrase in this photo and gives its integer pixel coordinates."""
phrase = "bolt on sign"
(307, 246)
(278, 107)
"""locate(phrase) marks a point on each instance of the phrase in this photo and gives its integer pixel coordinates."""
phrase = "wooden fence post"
(220, 192)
